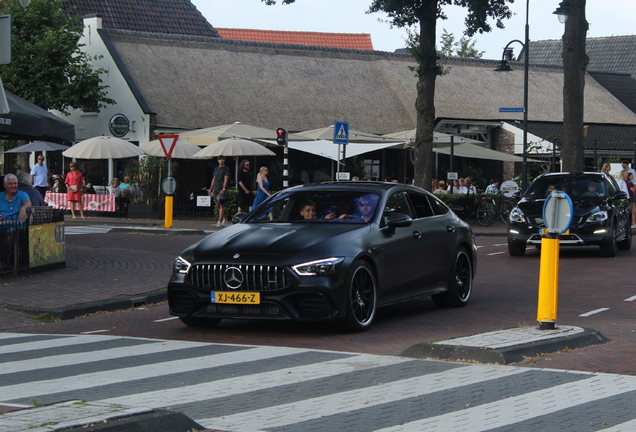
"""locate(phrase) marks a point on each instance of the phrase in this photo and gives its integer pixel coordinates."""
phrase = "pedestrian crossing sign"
(341, 132)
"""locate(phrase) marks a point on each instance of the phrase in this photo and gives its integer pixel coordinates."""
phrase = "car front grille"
(255, 277)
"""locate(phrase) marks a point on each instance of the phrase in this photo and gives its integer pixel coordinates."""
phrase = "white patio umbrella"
(206, 136)
(234, 147)
(326, 134)
(103, 147)
(439, 138)
(38, 146)
(182, 149)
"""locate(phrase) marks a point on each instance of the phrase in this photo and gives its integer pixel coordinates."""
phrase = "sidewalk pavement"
(57, 293)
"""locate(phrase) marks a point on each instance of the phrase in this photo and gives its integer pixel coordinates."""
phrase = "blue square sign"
(341, 132)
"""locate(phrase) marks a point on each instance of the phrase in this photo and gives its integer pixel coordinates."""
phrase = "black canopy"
(27, 121)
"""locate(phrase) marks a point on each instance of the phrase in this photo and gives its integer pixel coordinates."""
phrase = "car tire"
(200, 321)
(362, 297)
(460, 282)
(609, 248)
(626, 243)
(515, 249)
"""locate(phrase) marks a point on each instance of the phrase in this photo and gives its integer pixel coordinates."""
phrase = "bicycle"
(476, 208)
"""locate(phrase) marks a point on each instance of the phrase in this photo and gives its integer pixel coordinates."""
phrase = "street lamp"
(563, 11)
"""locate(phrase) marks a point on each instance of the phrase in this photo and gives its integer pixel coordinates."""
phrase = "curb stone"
(511, 353)
(111, 305)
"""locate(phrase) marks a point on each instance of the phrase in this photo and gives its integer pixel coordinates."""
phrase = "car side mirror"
(238, 218)
(620, 195)
(398, 220)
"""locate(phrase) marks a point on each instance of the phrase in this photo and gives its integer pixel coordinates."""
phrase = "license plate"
(544, 231)
(235, 297)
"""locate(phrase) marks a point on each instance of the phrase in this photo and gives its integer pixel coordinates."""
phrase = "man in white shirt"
(41, 177)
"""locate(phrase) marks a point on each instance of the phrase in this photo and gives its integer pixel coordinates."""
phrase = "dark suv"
(601, 213)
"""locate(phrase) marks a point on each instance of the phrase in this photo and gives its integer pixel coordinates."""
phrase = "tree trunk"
(575, 62)
(425, 102)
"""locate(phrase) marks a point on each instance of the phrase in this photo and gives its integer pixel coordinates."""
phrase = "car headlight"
(517, 216)
(598, 216)
(181, 265)
(320, 267)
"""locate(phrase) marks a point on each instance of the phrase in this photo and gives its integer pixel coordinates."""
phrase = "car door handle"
(450, 229)
(417, 234)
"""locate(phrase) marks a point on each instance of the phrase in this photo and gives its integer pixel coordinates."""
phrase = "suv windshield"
(316, 207)
(574, 186)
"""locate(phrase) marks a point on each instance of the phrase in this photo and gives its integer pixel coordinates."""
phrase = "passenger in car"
(308, 209)
(592, 190)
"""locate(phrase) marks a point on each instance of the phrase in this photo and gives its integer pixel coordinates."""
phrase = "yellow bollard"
(548, 282)
(168, 219)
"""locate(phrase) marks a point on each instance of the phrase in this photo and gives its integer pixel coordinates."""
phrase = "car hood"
(533, 208)
(274, 239)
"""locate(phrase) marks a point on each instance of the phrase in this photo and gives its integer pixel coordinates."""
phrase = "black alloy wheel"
(460, 282)
(361, 297)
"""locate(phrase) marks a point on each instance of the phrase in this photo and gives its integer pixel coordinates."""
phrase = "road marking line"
(314, 408)
(166, 319)
(496, 253)
(587, 314)
(154, 370)
(516, 409)
(158, 347)
(632, 298)
(501, 244)
(244, 384)
(54, 342)
(95, 331)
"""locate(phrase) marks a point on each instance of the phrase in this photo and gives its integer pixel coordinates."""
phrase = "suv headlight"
(320, 267)
(598, 216)
(181, 265)
(517, 216)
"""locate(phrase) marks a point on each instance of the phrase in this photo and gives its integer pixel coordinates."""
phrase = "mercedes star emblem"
(233, 277)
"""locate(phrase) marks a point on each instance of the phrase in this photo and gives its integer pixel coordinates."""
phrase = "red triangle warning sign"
(165, 142)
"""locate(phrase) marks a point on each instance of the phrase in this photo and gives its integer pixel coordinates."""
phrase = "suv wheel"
(609, 248)
(626, 243)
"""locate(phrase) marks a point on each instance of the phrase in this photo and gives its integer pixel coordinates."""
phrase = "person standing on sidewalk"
(74, 182)
(41, 177)
(245, 181)
(220, 180)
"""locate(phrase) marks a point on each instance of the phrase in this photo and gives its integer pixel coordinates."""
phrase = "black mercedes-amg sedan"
(333, 251)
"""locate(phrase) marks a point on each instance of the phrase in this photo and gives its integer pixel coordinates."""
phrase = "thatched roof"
(607, 54)
(193, 82)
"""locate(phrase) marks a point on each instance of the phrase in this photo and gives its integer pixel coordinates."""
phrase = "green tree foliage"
(423, 14)
(465, 47)
(48, 68)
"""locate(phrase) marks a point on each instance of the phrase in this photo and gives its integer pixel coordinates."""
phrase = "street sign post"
(341, 136)
(169, 184)
(557, 216)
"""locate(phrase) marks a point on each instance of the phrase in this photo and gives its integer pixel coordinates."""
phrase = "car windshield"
(573, 186)
(316, 206)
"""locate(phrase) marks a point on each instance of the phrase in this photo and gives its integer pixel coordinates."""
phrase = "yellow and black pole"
(557, 215)
(169, 184)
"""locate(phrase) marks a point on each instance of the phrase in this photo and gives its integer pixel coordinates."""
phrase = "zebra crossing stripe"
(528, 406)
(84, 381)
(55, 341)
(237, 385)
(363, 398)
(99, 355)
(74, 230)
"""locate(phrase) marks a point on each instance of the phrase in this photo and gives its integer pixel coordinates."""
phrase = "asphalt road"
(594, 292)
